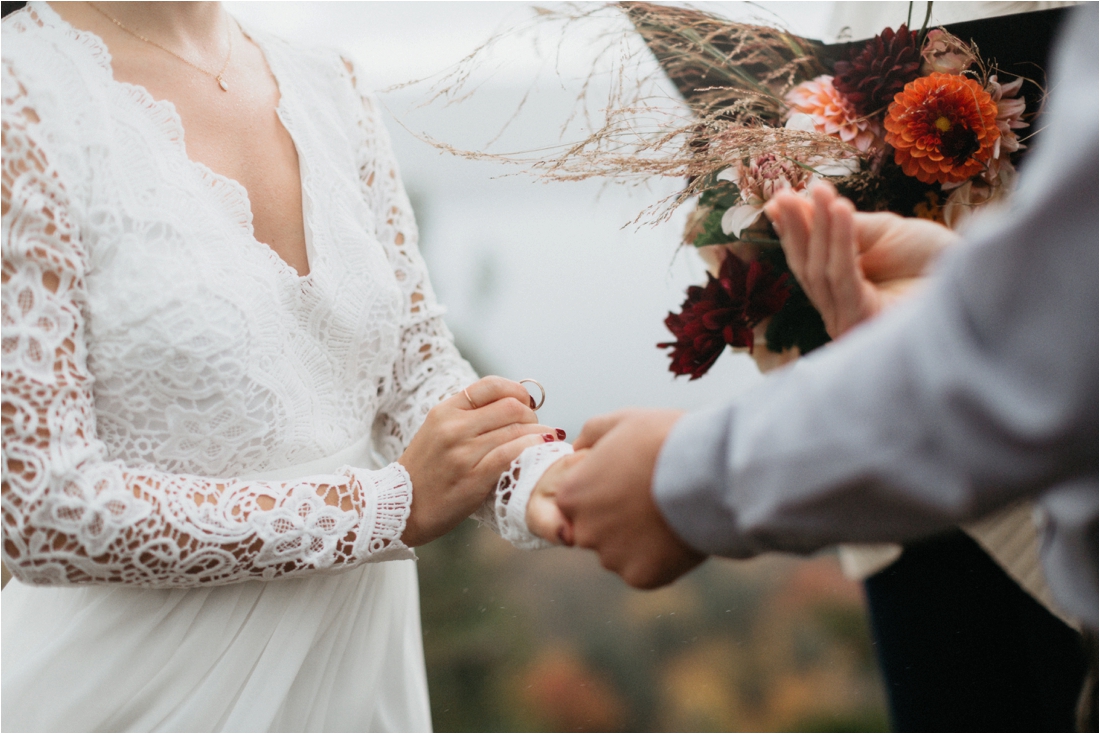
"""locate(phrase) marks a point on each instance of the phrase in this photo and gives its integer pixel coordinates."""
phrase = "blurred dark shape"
(870, 77)
(7, 9)
(963, 647)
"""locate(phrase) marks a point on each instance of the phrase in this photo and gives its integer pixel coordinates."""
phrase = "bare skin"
(853, 265)
(455, 459)
(237, 133)
(606, 497)
(544, 517)
(457, 456)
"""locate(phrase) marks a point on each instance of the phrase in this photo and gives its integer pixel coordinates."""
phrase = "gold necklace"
(219, 77)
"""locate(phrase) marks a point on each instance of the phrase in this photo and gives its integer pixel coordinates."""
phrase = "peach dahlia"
(943, 128)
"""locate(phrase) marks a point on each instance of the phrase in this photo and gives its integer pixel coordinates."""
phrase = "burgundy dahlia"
(722, 313)
(871, 77)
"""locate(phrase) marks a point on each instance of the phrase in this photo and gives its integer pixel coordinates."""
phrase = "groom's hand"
(608, 500)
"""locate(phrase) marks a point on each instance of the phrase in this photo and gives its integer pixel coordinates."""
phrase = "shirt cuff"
(689, 484)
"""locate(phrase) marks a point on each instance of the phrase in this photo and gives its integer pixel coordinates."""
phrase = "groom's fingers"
(596, 427)
(544, 517)
(607, 499)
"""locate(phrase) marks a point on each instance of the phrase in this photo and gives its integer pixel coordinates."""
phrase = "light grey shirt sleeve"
(978, 392)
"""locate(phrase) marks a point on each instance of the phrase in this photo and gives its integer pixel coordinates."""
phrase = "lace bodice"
(155, 355)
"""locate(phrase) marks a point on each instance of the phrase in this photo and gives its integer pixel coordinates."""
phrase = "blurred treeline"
(550, 641)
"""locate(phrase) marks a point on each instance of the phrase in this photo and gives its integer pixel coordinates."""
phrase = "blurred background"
(552, 281)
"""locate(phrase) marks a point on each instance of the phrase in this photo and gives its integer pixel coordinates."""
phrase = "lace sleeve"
(514, 490)
(70, 515)
(429, 367)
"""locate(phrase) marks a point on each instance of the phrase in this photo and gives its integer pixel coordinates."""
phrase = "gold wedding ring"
(542, 390)
(467, 394)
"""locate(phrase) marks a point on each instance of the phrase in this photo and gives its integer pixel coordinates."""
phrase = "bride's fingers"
(550, 481)
(871, 227)
(545, 520)
(816, 283)
(486, 442)
(497, 414)
(498, 460)
(488, 390)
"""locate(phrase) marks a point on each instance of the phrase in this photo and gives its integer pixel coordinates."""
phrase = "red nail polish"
(561, 434)
(532, 402)
(548, 437)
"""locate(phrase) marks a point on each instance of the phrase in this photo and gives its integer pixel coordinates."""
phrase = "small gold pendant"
(222, 84)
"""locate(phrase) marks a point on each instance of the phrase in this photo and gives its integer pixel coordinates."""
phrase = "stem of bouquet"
(924, 26)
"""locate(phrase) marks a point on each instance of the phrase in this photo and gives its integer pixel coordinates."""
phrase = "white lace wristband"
(514, 492)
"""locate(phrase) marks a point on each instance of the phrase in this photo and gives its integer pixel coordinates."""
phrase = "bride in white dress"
(230, 404)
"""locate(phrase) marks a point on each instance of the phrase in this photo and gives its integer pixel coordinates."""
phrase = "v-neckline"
(176, 139)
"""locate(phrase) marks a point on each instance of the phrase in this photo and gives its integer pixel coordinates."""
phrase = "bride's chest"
(175, 269)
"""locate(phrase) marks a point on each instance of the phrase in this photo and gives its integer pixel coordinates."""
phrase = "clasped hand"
(851, 265)
(458, 455)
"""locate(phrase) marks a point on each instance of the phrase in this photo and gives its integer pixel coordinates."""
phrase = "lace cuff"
(514, 492)
(385, 517)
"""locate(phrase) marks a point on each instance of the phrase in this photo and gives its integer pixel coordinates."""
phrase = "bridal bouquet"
(913, 122)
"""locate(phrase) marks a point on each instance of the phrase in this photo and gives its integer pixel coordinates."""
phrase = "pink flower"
(762, 179)
(977, 193)
(945, 54)
(832, 114)
(1010, 111)
(767, 175)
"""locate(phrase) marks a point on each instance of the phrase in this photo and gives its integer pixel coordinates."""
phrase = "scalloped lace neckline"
(231, 193)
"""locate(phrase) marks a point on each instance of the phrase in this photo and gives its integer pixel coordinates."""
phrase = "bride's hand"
(852, 265)
(457, 456)
(544, 519)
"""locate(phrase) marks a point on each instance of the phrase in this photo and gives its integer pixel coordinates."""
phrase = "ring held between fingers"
(493, 388)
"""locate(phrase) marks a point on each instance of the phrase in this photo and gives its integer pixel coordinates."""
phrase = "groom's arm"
(978, 392)
(981, 391)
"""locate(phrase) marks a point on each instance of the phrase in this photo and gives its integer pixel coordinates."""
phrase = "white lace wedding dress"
(198, 483)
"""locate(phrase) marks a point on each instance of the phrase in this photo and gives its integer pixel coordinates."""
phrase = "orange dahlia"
(943, 128)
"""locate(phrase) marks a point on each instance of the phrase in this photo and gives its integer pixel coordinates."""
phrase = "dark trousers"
(963, 648)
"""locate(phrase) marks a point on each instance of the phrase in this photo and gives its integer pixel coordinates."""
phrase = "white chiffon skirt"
(327, 653)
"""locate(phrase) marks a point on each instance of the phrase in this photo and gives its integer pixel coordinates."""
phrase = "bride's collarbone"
(236, 133)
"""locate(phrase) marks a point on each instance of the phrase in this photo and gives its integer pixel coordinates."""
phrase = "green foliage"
(720, 195)
(717, 199)
(798, 324)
